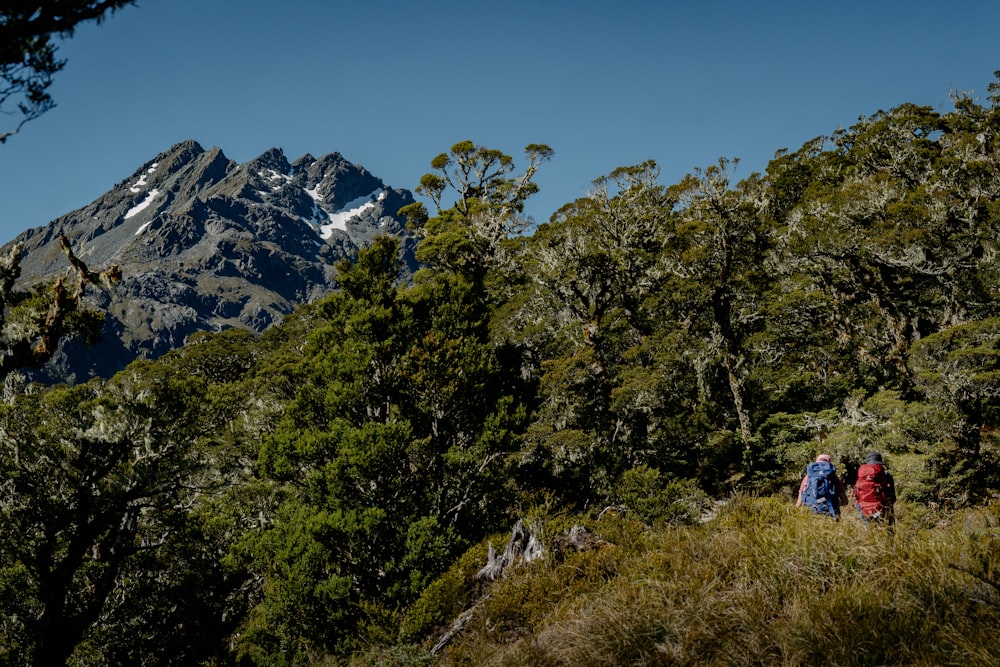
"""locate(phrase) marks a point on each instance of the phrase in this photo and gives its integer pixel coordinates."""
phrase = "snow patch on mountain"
(339, 218)
(273, 175)
(143, 205)
(141, 183)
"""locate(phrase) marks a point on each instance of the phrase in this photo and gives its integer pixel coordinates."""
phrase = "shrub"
(655, 498)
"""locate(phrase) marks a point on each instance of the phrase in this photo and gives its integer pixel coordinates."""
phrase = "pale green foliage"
(482, 177)
(473, 235)
(34, 322)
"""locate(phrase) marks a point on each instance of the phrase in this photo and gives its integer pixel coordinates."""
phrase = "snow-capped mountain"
(205, 243)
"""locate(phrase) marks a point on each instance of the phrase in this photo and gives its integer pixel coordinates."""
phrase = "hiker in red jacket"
(875, 491)
(821, 489)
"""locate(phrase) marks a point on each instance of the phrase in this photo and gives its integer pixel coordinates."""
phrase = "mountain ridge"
(206, 243)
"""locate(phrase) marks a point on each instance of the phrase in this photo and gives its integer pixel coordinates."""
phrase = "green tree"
(392, 453)
(592, 268)
(716, 253)
(470, 236)
(802, 352)
(28, 59)
(394, 448)
(885, 237)
(895, 236)
(96, 476)
(958, 369)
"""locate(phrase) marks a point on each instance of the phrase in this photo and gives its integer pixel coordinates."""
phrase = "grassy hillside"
(760, 584)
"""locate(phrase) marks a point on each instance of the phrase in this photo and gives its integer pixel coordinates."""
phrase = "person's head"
(825, 458)
(874, 457)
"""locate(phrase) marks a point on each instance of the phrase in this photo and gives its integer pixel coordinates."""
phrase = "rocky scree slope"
(205, 243)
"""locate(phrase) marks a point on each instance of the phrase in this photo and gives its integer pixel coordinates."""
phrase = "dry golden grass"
(762, 584)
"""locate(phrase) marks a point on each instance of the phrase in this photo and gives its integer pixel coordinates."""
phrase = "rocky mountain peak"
(339, 182)
(271, 160)
(205, 243)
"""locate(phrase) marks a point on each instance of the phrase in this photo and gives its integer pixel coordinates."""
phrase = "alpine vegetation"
(468, 439)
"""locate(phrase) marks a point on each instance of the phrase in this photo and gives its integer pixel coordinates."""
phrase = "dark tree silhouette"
(27, 55)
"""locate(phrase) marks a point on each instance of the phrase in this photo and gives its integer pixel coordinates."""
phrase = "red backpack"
(874, 489)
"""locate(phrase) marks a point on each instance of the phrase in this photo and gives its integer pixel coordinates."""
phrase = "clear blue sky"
(390, 84)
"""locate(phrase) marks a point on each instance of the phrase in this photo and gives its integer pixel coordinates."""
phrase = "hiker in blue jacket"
(821, 489)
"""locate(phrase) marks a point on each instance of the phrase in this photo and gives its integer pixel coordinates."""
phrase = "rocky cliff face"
(205, 243)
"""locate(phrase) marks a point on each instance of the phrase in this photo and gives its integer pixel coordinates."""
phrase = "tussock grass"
(761, 584)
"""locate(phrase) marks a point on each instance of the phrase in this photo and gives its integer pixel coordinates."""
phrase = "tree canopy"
(322, 492)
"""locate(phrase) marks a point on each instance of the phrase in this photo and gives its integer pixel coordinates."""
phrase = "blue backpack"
(821, 491)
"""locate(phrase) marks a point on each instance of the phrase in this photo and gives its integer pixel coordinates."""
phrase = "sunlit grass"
(761, 584)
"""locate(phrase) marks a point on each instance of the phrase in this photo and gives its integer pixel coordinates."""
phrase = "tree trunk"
(736, 388)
